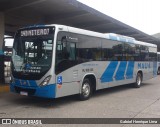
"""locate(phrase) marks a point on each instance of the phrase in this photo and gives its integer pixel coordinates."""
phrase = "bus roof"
(110, 36)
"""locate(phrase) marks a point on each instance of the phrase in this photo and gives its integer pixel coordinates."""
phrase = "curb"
(4, 88)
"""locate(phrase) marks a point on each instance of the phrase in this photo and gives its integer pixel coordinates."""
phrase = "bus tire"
(86, 90)
(138, 82)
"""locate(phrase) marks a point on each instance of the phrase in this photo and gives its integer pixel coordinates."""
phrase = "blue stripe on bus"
(107, 76)
(32, 83)
(129, 72)
(48, 91)
(17, 82)
(121, 70)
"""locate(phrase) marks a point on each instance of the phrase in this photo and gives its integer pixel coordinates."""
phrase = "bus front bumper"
(48, 91)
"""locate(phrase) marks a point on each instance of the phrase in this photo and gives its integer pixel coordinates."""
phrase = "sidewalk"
(4, 88)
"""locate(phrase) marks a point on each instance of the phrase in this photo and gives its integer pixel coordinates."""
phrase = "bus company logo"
(6, 121)
(144, 65)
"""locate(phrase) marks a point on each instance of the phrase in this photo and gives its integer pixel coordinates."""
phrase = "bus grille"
(29, 91)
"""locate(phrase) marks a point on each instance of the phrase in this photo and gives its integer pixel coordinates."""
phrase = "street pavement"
(118, 102)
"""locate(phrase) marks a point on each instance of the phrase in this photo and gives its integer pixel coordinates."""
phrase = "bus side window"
(62, 56)
(65, 55)
(59, 52)
(72, 51)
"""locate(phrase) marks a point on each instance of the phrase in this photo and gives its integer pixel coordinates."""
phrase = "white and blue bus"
(53, 61)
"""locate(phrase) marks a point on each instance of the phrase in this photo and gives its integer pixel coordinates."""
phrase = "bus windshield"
(32, 56)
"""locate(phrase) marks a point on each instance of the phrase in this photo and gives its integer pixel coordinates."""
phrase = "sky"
(143, 15)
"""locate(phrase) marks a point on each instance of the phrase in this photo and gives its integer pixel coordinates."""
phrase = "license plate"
(23, 93)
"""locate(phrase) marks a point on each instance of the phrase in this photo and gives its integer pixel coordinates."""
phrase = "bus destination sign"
(36, 32)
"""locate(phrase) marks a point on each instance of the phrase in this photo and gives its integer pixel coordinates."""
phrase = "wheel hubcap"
(86, 89)
(139, 80)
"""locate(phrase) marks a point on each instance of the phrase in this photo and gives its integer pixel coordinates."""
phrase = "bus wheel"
(86, 90)
(138, 81)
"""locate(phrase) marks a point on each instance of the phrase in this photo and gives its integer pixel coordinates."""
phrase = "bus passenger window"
(65, 55)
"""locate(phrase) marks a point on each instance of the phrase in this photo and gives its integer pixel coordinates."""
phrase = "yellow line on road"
(4, 88)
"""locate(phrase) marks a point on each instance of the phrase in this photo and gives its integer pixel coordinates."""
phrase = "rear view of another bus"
(158, 63)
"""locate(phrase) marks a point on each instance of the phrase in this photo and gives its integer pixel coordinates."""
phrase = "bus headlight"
(45, 81)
